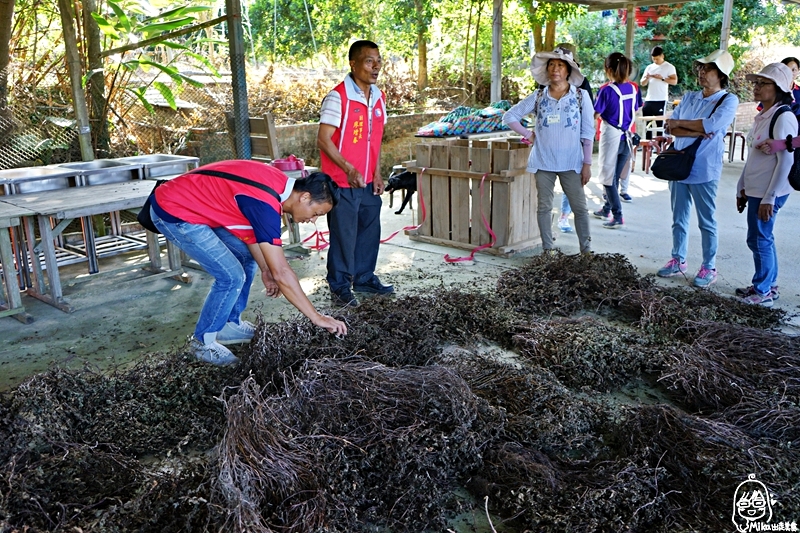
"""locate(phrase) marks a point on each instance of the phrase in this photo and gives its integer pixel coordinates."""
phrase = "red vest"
(360, 146)
(211, 200)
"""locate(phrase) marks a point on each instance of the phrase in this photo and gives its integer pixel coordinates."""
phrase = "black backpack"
(794, 172)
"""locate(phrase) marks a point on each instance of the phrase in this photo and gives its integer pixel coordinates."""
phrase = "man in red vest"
(351, 125)
(227, 217)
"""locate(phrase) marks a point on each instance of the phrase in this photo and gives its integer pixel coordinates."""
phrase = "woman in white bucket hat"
(764, 187)
(562, 139)
(708, 114)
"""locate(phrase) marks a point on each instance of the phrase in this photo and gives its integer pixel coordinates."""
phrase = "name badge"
(553, 119)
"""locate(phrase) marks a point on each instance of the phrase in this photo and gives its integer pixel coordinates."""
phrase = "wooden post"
(630, 27)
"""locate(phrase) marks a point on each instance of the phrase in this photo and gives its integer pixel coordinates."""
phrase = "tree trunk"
(73, 60)
(550, 35)
(422, 47)
(538, 42)
(466, 48)
(475, 80)
(97, 85)
(6, 18)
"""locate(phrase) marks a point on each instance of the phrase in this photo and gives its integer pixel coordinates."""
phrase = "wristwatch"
(789, 147)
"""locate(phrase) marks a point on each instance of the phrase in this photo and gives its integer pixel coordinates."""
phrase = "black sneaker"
(625, 197)
(344, 298)
(373, 286)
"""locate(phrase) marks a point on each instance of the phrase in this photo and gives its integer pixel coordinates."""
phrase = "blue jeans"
(565, 208)
(704, 196)
(355, 236)
(613, 202)
(226, 258)
(762, 243)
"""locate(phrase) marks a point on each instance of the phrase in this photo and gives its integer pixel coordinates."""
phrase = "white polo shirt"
(658, 90)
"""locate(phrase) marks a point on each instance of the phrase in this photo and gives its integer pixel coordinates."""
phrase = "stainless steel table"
(10, 217)
(76, 202)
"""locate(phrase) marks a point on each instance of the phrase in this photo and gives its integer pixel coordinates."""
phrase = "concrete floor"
(118, 318)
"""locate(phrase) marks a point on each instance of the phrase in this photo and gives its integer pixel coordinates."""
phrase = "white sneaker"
(234, 333)
(213, 353)
(563, 224)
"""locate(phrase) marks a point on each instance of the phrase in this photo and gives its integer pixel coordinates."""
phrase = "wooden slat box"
(450, 186)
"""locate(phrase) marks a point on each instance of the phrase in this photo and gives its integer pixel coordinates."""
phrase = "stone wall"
(398, 139)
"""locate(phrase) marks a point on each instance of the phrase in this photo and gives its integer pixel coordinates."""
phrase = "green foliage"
(693, 31)
(539, 12)
(334, 23)
(595, 37)
(121, 29)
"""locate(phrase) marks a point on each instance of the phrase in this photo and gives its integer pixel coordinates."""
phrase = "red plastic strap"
(491, 242)
(320, 243)
(422, 207)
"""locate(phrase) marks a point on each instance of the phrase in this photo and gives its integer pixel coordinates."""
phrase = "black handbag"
(676, 165)
(144, 213)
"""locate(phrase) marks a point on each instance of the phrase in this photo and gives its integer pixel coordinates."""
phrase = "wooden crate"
(449, 177)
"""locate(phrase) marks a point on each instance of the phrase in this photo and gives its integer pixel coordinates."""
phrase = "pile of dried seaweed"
(428, 396)
(76, 447)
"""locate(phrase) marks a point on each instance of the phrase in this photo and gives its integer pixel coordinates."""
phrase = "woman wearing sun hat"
(764, 187)
(708, 114)
(562, 139)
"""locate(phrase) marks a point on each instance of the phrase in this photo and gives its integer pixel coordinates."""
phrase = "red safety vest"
(211, 200)
(360, 146)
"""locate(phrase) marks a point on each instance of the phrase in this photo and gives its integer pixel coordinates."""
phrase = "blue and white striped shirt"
(560, 126)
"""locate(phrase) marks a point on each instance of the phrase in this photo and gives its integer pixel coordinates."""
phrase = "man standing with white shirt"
(657, 77)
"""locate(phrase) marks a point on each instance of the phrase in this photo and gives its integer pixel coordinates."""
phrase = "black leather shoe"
(374, 286)
(344, 298)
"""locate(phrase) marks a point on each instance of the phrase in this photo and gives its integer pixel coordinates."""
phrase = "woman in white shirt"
(562, 139)
(764, 187)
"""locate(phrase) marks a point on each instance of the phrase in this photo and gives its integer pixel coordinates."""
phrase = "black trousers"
(653, 108)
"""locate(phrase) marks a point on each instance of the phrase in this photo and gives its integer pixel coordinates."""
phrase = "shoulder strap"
(579, 92)
(622, 98)
(724, 96)
(778, 112)
(234, 177)
(539, 95)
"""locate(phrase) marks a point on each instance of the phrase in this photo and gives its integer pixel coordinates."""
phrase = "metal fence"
(37, 126)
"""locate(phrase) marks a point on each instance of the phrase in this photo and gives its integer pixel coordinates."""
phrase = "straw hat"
(539, 66)
(722, 59)
(777, 72)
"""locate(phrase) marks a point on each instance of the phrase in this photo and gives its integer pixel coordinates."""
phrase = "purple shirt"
(608, 103)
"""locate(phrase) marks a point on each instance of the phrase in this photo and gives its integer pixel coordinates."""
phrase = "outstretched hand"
(337, 327)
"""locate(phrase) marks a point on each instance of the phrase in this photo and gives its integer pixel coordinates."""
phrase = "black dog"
(402, 180)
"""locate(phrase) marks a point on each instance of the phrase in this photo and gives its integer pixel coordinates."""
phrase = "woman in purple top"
(617, 101)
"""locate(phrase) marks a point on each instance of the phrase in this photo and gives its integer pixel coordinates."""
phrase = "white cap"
(722, 59)
(777, 72)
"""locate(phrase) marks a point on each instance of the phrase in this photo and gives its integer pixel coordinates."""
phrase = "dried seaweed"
(427, 395)
(349, 442)
(398, 332)
(676, 312)
(585, 352)
(558, 284)
(745, 376)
